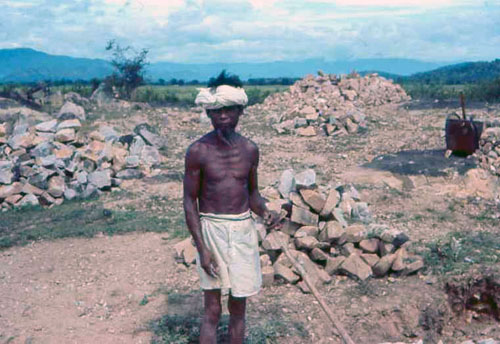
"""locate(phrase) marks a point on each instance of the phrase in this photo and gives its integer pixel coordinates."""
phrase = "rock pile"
(52, 160)
(329, 105)
(488, 154)
(329, 231)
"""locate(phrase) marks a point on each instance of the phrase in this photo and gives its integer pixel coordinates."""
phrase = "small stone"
(290, 227)
(305, 179)
(360, 212)
(132, 161)
(129, 174)
(333, 231)
(6, 176)
(65, 135)
(274, 240)
(318, 255)
(307, 131)
(369, 245)
(385, 249)
(101, 179)
(49, 126)
(349, 249)
(29, 199)
(95, 135)
(333, 264)
(267, 276)
(150, 156)
(56, 186)
(389, 235)
(185, 251)
(285, 273)
(331, 202)
(70, 123)
(307, 242)
(296, 199)
(13, 199)
(383, 265)
(355, 233)
(313, 199)
(370, 259)
(46, 199)
(287, 183)
(399, 264)
(307, 231)
(355, 266)
(70, 194)
(304, 217)
(265, 260)
(413, 267)
(338, 215)
(108, 132)
(70, 110)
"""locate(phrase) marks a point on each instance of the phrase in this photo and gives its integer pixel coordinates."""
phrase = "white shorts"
(233, 241)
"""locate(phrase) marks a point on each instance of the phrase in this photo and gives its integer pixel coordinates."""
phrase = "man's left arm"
(257, 203)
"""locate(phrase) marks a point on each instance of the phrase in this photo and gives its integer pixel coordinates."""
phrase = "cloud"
(257, 30)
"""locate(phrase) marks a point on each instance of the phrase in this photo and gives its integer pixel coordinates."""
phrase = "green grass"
(185, 329)
(185, 95)
(457, 252)
(78, 219)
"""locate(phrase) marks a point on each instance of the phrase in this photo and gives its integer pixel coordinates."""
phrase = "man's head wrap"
(222, 96)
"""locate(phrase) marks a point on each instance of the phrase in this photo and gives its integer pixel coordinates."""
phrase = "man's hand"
(208, 263)
(272, 219)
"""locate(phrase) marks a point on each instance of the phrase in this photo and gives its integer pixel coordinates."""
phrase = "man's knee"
(237, 306)
(213, 307)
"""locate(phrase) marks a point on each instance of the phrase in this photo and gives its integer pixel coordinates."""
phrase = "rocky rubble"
(329, 105)
(53, 160)
(328, 230)
(488, 154)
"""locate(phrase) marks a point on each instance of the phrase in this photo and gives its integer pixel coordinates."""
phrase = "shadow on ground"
(421, 162)
(182, 323)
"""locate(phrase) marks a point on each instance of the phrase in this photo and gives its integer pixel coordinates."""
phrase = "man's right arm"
(192, 183)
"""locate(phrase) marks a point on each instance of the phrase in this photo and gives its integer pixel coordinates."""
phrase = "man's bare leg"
(237, 308)
(213, 309)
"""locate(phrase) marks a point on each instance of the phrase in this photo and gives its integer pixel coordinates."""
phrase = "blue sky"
(203, 31)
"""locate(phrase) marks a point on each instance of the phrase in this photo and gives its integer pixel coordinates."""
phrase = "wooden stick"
(343, 333)
(336, 323)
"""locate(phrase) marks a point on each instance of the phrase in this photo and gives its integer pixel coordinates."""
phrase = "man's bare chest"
(223, 164)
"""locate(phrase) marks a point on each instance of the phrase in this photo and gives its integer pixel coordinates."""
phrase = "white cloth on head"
(222, 96)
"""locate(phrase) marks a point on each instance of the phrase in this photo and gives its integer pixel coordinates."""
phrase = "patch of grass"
(458, 251)
(144, 301)
(185, 329)
(74, 219)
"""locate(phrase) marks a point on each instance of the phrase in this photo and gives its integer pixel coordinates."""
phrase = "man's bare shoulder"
(199, 146)
(250, 146)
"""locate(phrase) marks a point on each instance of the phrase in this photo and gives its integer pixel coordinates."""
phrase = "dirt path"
(84, 290)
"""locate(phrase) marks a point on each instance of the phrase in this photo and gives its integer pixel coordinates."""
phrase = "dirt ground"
(109, 289)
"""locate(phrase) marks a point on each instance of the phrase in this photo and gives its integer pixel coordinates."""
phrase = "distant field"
(185, 95)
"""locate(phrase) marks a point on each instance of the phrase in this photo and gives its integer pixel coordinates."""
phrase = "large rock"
(305, 179)
(66, 135)
(355, 233)
(56, 186)
(6, 176)
(304, 216)
(101, 179)
(29, 199)
(333, 264)
(137, 146)
(108, 132)
(333, 231)
(313, 199)
(70, 123)
(287, 183)
(285, 273)
(130, 173)
(70, 111)
(48, 126)
(9, 190)
(149, 137)
(383, 265)
(150, 156)
(306, 243)
(274, 240)
(355, 266)
(331, 202)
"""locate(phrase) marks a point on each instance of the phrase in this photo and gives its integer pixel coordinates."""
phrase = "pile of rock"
(488, 154)
(329, 105)
(329, 231)
(53, 160)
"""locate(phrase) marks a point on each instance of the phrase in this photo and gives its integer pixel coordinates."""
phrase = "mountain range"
(28, 65)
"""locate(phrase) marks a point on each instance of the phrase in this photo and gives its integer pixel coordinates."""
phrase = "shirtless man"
(220, 189)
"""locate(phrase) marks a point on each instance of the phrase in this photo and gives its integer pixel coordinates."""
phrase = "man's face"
(226, 117)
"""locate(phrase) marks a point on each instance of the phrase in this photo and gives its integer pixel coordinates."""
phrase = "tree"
(129, 68)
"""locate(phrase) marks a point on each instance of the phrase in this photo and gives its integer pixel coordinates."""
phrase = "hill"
(462, 73)
(28, 65)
